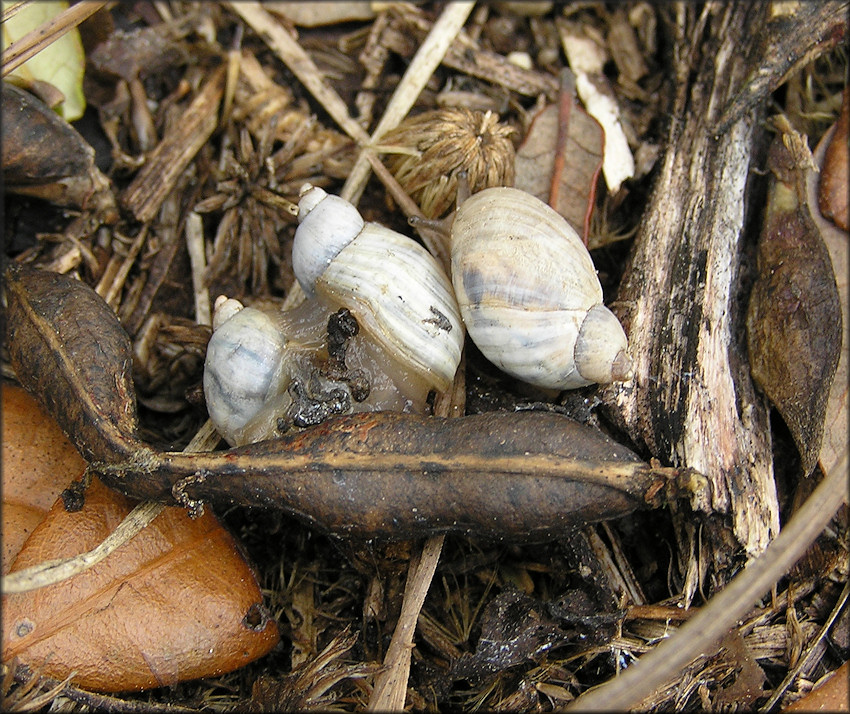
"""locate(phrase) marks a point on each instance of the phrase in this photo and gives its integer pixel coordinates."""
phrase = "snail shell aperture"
(529, 295)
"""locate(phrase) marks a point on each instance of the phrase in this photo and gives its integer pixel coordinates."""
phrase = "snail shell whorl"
(529, 294)
(402, 298)
(223, 309)
(243, 367)
(396, 290)
(327, 224)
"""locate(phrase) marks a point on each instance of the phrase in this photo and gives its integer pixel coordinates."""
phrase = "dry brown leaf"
(535, 163)
(832, 696)
(177, 602)
(514, 628)
(835, 424)
(794, 317)
(38, 462)
(139, 52)
(838, 244)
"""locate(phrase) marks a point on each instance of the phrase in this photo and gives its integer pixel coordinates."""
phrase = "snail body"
(529, 295)
(267, 370)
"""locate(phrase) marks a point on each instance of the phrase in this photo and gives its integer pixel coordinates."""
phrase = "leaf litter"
(543, 664)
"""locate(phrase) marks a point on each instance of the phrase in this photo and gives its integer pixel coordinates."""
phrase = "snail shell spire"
(327, 224)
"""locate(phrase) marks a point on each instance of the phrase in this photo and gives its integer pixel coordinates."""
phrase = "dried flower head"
(252, 212)
(268, 149)
(432, 147)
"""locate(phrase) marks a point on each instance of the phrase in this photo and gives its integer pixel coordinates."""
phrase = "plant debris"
(44, 156)
(431, 148)
(204, 124)
(569, 132)
(794, 319)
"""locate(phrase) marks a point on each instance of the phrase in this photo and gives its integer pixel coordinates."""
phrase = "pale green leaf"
(61, 63)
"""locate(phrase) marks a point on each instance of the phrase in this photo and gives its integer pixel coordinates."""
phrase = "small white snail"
(529, 294)
(252, 360)
(265, 370)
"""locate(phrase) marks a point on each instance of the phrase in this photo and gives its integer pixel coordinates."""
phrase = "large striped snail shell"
(529, 295)
(396, 290)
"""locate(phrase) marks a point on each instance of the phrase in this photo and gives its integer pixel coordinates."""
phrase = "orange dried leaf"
(177, 602)
(38, 463)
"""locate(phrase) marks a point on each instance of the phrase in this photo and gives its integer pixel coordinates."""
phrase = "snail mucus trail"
(526, 289)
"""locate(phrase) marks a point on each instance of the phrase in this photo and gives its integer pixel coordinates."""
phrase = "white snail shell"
(410, 332)
(396, 290)
(529, 294)
(243, 367)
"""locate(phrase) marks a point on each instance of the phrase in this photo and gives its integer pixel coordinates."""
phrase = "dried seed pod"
(433, 146)
(46, 157)
(511, 475)
(82, 367)
(794, 315)
(529, 295)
